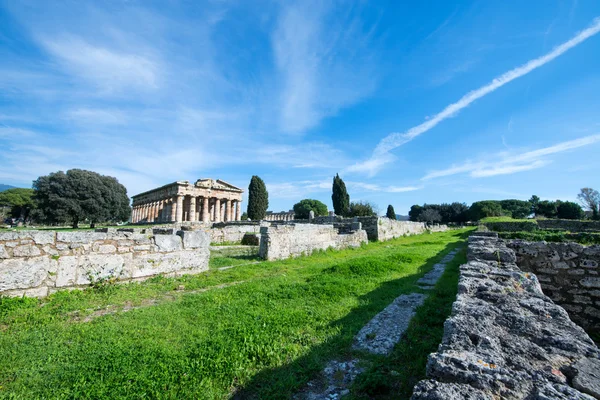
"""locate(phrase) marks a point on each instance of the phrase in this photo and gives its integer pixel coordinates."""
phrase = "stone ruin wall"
(38, 263)
(506, 339)
(284, 241)
(569, 225)
(382, 228)
(569, 275)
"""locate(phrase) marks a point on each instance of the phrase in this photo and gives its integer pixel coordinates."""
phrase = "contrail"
(395, 140)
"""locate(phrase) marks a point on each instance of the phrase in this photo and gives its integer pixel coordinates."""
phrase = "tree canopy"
(430, 215)
(569, 210)
(304, 207)
(340, 197)
(390, 213)
(362, 209)
(258, 199)
(19, 201)
(79, 195)
(590, 198)
(455, 212)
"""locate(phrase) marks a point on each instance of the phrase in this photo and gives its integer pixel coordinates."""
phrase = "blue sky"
(410, 101)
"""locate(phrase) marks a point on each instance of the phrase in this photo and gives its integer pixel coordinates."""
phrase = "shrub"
(304, 207)
(569, 210)
(362, 209)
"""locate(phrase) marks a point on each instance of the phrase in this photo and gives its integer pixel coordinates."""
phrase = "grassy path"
(262, 338)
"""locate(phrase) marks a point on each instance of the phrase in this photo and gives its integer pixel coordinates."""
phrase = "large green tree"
(79, 195)
(485, 208)
(18, 201)
(534, 201)
(304, 207)
(390, 213)
(415, 212)
(362, 209)
(516, 208)
(569, 210)
(547, 208)
(340, 197)
(258, 199)
(590, 198)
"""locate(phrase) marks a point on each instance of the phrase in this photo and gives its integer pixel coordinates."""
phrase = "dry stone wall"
(283, 241)
(506, 339)
(569, 225)
(232, 232)
(569, 275)
(38, 263)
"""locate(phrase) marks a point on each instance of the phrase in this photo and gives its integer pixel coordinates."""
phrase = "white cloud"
(108, 69)
(322, 61)
(394, 140)
(507, 163)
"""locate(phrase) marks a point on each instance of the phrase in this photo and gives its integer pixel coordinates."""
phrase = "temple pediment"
(216, 184)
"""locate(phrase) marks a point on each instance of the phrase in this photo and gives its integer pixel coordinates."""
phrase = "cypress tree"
(340, 196)
(258, 199)
(391, 214)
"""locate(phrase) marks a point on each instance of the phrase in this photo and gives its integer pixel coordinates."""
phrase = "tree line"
(460, 212)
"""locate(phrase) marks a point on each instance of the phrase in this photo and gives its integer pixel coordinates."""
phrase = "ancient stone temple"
(207, 200)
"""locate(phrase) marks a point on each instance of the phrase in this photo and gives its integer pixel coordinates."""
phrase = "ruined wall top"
(506, 339)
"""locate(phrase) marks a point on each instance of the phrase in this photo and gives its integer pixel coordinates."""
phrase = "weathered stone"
(26, 251)
(194, 239)
(66, 274)
(581, 299)
(576, 272)
(587, 378)
(24, 273)
(505, 339)
(167, 243)
(590, 282)
(79, 237)
(169, 263)
(3, 252)
(589, 264)
(93, 268)
(107, 249)
(43, 237)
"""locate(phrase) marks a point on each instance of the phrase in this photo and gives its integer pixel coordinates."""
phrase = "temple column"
(179, 215)
(192, 214)
(151, 212)
(157, 211)
(205, 209)
(227, 215)
(173, 210)
(163, 211)
(238, 210)
(217, 210)
(146, 212)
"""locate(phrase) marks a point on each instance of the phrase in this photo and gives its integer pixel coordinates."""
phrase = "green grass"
(264, 337)
(394, 377)
(224, 257)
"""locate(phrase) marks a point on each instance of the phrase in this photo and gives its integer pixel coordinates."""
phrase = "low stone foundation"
(568, 274)
(38, 263)
(283, 241)
(506, 339)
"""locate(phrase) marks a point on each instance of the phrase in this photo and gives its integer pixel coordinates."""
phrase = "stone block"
(590, 282)
(194, 239)
(43, 237)
(588, 264)
(581, 299)
(3, 252)
(5, 236)
(164, 231)
(169, 263)
(27, 250)
(66, 274)
(107, 249)
(79, 237)
(142, 247)
(168, 243)
(24, 273)
(576, 272)
(95, 267)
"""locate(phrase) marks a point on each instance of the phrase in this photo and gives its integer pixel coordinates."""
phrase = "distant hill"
(4, 187)
(402, 217)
